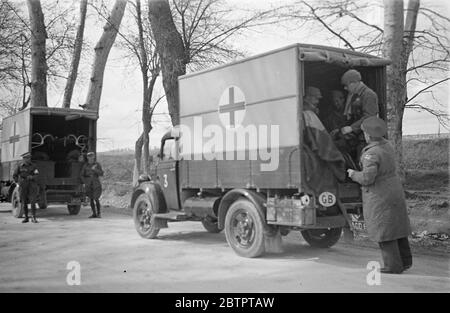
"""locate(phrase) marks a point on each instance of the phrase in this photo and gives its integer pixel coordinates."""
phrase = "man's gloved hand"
(350, 172)
(346, 130)
(334, 132)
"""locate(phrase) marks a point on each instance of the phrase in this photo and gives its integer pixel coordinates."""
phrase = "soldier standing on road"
(90, 173)
(362, 102)
(384, 205)
(25, 175)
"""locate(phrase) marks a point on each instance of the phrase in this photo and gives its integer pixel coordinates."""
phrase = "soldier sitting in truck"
(335, 119)
(322, 154)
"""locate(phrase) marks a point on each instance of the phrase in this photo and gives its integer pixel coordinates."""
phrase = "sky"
(119, 124)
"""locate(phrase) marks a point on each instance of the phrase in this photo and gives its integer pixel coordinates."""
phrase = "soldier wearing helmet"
(361, 103)
(312, 99)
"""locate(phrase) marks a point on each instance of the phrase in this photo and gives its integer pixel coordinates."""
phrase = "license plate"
(359, 226)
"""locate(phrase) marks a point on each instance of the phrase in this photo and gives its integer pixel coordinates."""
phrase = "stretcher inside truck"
(248, 158)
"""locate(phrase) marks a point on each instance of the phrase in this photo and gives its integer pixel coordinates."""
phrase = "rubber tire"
(42, 203)
(148, 200)
(258, 246)
(74, 209)
(331, 237)
(17, 210)
(42, 206)
(210, 226)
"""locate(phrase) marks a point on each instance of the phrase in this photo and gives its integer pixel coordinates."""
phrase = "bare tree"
(38, 54)
(102, 50)
(171, 51)
(197, 33)
(143, 50)
(11, 30)
(59, 27)
(76, 56)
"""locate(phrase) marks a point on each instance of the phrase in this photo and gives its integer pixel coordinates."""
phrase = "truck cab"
(239, 161)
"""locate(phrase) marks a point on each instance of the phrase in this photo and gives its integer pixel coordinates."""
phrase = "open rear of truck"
(57, 139)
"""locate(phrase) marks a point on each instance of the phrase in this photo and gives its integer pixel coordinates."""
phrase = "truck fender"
(256, 198)
(148, 188)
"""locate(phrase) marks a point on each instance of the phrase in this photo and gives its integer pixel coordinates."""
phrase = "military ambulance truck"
(57, 139)
(237, 160)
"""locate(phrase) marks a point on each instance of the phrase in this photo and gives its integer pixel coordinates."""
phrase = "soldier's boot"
(97, 202)
(93, 209)
(33, 213)
(25, 209)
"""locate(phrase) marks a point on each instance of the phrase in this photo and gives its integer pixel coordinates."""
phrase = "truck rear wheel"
(17, 210)
(322, 238)
(244, 229)
(74, 209)
(211, 225)
(143, 211)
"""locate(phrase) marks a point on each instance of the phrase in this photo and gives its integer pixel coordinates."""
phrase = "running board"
(173, 216)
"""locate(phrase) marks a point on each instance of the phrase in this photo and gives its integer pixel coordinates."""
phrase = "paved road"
(34, 257)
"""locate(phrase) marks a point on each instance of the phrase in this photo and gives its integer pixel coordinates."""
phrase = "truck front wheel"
(244, 229)
(143, 211)
(15, 203)
(322, 238)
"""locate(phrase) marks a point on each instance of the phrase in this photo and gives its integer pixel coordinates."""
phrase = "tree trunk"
(397, 46)
(142, 150)
(102, 50)
(171, 51)
(138, 153)
(76, 56)
(38, 53)
(395, 83)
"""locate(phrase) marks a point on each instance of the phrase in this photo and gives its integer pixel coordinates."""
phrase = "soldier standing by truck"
(383, 198)
(90, 173)
(362, 102)
(25, 175)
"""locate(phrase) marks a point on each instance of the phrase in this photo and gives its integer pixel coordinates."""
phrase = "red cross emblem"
(232, 107)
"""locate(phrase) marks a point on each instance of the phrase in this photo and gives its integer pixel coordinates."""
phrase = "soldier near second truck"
(25, 176)
(90, 173)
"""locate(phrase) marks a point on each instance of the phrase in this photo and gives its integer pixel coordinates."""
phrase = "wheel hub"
(145, 217)
(243, 229)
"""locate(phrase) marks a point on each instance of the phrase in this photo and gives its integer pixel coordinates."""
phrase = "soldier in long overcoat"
(25, 176)
(384, 205)
(90, 173)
